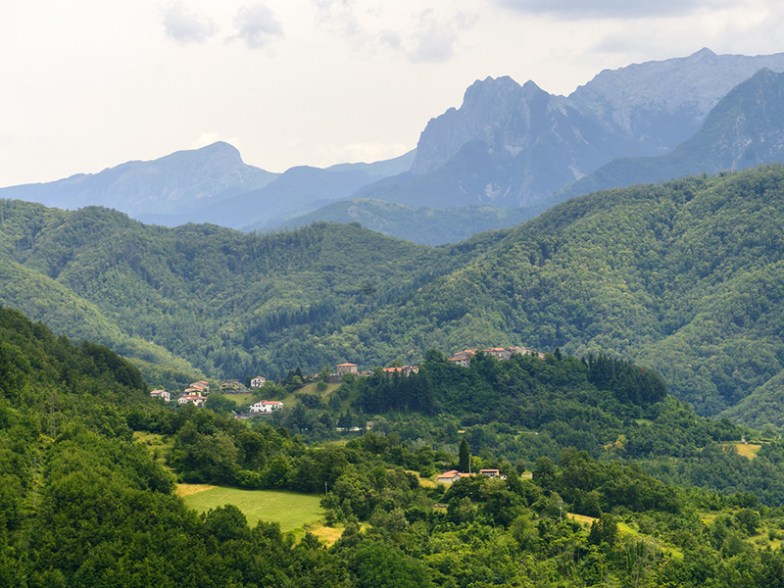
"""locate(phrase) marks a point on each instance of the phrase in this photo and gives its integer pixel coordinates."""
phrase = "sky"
(89, 84)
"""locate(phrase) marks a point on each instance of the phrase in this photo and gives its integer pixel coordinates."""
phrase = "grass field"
(289, 509)
(243, 399)
(313, 389)
(748, 450)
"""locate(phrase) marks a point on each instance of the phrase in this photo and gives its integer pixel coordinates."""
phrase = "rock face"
(745, 129)
(662, 103)
(518, 145)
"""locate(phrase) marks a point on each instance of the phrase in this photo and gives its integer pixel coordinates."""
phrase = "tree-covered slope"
(228, 302)
(685, 277)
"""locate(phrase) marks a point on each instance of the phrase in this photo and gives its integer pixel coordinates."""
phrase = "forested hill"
(229, 303)
(88, 465)
(685, 277)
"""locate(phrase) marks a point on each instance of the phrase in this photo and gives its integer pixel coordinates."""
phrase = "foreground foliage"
(82, 504)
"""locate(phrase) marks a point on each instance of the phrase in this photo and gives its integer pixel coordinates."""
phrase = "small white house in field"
(257, 382)
(162, 394)
(266, 406)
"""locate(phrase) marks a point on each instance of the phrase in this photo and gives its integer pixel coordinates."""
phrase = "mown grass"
(290, 510)
(748, 450)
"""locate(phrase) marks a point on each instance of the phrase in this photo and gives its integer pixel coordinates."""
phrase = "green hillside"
(685, 277)
(84, 504)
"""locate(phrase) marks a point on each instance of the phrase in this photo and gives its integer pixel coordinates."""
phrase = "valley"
(455, 330)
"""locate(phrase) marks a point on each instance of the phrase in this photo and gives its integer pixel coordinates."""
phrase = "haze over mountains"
(508, 146)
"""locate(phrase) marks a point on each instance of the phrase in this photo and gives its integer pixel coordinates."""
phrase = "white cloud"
(184, 26)
(257, 26)
(435, 39)
(338, 16)
(578, 9)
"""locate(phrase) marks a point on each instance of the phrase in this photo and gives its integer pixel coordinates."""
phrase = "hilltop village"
(197, 392)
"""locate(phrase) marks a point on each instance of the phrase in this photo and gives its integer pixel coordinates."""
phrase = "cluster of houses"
(197, 392)
(463, 358)
(343, 369)
(453, 475)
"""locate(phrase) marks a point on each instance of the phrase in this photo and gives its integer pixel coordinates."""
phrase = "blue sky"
(89, 84)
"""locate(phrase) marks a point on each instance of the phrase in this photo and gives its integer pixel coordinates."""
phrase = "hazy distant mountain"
(512, 145)
(507, 146)
(745, 129)
(662, 103)
(184, 180)
(298, 191)
(211, 184)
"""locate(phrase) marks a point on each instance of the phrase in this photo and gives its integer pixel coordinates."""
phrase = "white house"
(195, 399)
(162, 394)
(257, 382)
(266, 406)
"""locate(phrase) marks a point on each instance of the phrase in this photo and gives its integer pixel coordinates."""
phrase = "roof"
(347, 364)
(449, 474)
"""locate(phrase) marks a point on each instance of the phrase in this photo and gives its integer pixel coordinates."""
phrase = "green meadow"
(291, 510)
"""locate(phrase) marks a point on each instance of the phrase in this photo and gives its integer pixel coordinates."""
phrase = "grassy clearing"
(582, 519)
(183, 490)
(313, 389)
(748, 450)
(423, 482)
(241, 399)
(289, 509)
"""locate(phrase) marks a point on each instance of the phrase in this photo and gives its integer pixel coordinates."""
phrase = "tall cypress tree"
(464, 455)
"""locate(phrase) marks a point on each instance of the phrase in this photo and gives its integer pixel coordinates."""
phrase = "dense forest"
(683, 277)
(606, 479)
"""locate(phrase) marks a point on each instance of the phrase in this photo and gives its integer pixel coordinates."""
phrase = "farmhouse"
(195, 399)
(161, 394)
(266, 406)
(232, 386)
(491, 473)
(257, 382)
(347, 368)
(448, 477)
(201, 386)
(453, 475)
(405, 370)
(463, 358)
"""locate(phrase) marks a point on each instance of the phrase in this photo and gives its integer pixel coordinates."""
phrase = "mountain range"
(508, 146)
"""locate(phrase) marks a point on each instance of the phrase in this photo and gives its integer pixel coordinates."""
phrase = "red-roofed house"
(195, 399)
(162, 394)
